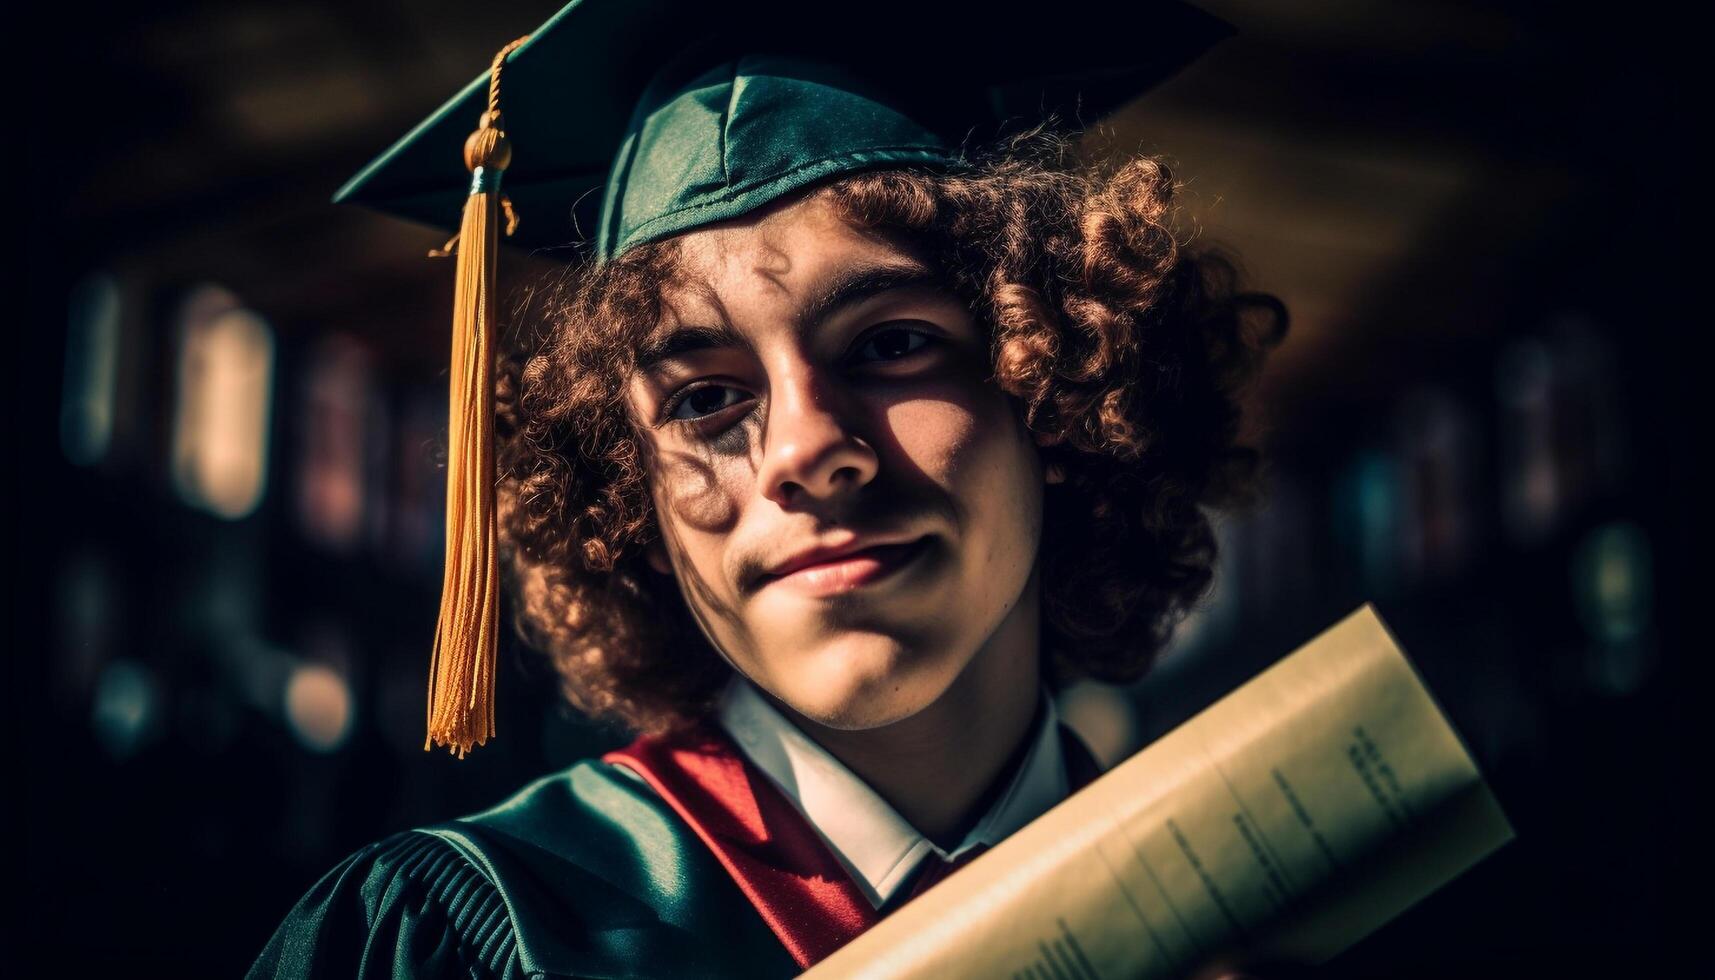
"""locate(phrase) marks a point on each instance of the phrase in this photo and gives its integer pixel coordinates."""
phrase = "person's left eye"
(890, 345)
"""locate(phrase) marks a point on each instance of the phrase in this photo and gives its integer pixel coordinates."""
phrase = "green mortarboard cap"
(632, 120)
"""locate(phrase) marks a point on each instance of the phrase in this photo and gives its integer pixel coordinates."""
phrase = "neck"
(936, 768)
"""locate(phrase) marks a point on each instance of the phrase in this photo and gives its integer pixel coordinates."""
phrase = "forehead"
(778, 255)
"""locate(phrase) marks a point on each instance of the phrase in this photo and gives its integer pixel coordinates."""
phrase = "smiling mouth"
(849, 571)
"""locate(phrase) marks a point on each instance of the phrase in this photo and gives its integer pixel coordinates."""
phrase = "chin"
(862, 681)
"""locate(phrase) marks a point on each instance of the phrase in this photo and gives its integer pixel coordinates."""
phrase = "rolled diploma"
(1285, 822)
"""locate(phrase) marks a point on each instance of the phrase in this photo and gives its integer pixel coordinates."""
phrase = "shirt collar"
(878, 846)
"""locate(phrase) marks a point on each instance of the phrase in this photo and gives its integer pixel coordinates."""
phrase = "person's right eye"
(702, 401)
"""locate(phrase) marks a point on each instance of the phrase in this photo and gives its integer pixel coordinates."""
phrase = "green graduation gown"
(670, 858)
(586, 873)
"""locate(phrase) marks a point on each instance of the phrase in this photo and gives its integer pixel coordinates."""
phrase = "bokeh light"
(91, 370)
(225, 381)
(125, 708)
(335, 443)
(318, 707)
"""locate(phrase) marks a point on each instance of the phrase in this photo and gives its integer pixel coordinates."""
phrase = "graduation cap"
(636, 120)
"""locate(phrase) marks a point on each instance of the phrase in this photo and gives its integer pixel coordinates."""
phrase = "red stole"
(771, 851)
(778, 860)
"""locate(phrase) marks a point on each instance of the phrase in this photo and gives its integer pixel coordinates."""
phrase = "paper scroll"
(1285, 822)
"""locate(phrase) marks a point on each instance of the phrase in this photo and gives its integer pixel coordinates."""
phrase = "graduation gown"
(672, 857)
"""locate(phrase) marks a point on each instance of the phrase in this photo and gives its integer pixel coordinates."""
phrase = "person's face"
(850, 504)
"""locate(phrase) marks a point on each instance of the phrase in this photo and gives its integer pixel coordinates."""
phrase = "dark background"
(228, 397)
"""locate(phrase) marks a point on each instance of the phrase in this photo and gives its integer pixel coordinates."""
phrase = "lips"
(829, 571)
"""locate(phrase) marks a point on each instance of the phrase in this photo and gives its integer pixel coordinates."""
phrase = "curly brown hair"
(1125, 353)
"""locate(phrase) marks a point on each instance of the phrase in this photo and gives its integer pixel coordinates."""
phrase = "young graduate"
(847, 443)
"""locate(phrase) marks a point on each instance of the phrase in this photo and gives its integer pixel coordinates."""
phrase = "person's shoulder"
(411, 904)
(575, 813)
(584, 872)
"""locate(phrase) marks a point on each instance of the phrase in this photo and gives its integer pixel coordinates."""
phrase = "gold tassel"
(461, 674)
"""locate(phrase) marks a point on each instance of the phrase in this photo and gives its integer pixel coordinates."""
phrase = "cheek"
(965, 441)
(935, 438)
(698, 495)
(979, 456)
(697, 510)
(698, 501)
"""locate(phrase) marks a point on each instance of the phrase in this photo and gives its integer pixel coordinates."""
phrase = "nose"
(811, 451)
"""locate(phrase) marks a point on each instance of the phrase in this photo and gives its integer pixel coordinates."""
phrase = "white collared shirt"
(874, 843)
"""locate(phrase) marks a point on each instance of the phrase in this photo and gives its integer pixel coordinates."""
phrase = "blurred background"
(226, 502)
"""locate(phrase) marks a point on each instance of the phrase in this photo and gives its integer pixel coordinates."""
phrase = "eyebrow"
(685, 340)
(844, 290)
(852, 286)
